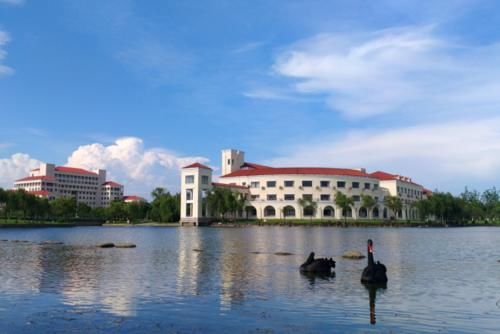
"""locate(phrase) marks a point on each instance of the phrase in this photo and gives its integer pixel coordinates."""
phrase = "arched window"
(308, 211)
(363, 213)
(347, 213)
(328, 211)
(251, 212)
(269, 211)
(289, 211)
(375, 212)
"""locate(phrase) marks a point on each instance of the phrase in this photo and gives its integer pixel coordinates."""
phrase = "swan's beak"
(370, 248)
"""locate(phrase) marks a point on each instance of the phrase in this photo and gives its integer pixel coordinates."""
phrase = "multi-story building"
(85, 186)
(274, 192)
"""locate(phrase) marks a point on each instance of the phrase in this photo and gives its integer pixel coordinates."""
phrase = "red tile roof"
(133, 198)
(298, 170)
(228, 185)
(73, 170)
(253, 166)
(34, 178)
(383, 176)
(112, 184)
(197, 165)
(42, 193)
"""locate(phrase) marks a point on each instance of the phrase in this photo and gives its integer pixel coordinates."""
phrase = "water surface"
(227, 280)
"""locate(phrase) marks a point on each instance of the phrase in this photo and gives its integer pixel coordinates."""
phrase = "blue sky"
(142, 87)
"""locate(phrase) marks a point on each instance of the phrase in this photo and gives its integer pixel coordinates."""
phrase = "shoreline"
(302, 223)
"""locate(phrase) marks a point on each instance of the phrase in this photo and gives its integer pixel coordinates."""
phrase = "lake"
(229, 280)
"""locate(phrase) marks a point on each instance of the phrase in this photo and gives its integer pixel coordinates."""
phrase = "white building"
(273, 192)
(87, 187)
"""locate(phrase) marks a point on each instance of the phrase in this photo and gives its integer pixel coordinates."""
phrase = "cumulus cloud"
(4, 39)
(409, 70)
(128, 162)
(16, 167)
(447, 156)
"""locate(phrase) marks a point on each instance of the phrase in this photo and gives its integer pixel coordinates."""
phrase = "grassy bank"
(351, 223)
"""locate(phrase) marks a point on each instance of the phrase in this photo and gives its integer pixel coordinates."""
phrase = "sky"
(142, 88)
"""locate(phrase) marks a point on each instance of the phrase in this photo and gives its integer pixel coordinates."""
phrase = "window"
(189, 179)
(324, 184)
(307, 183)
(355, 198)
(271, 197)
(271, 184)
(367, 186)
(204, 179)
(375, 186)
(254, 197)
(289, 197)
(288, 183)
(255, 184)
(307, 197)
(189, 194)
(355, 185)
(189, 209)
(324, 197)
(340, 184)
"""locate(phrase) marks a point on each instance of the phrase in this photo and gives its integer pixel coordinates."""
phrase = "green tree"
(394, 204)
(308, 204)
(490, 199)
(137, 210)
(473, 207)
(368, 203)
(63, 207)
(344, 203)
(165, 206)
(83, 210)
(116, 210)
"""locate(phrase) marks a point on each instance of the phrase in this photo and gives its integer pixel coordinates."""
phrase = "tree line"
(20, 204)
(469, 206)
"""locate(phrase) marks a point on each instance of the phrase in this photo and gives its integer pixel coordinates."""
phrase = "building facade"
(274, 192)
(50, 181)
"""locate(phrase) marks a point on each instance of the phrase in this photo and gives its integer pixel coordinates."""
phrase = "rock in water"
(126, 245)
(107, 245)
(353, 255)
(283, 253)
(51, 242)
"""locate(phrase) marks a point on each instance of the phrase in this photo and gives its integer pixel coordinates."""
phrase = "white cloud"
(400, 70)
(129, 163)
(448, 156)
(248, 47)
(16, 167)
(4, 39)
(159, 63)
(12, 2)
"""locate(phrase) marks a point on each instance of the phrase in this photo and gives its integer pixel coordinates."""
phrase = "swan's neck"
(370, 256)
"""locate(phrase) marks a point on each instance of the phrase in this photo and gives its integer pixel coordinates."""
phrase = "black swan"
(374, 272)
(320, 266)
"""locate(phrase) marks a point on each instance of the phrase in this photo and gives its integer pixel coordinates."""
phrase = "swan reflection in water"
(312, 277)
(372, 293)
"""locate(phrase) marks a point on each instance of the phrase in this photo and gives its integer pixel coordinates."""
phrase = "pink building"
(85, 186)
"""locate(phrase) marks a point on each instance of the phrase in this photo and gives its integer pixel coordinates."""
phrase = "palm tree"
(307, 203)
(368, 203)
(394, 203)
(158, 192)
(344, 202)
